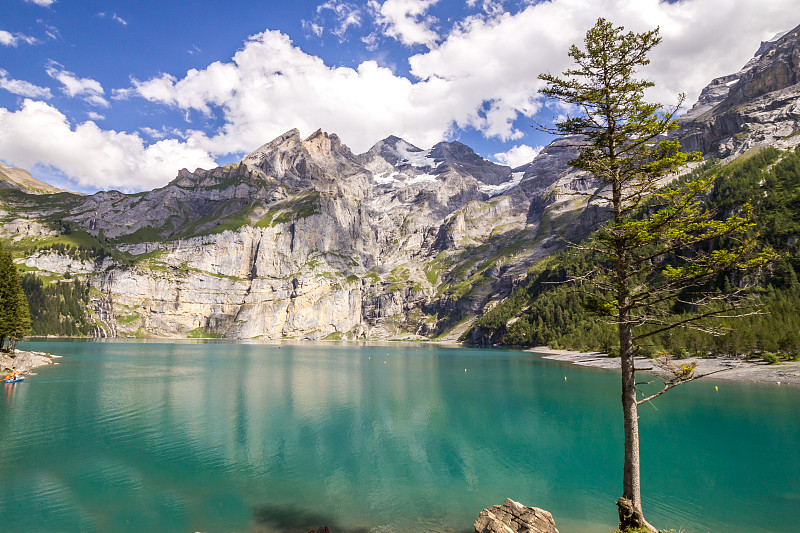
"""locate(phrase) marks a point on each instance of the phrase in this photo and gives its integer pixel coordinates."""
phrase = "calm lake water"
(183, 437)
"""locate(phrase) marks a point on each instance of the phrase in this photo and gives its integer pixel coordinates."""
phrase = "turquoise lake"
(237, 437)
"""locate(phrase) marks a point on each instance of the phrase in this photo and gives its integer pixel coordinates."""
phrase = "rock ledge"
(513, 517)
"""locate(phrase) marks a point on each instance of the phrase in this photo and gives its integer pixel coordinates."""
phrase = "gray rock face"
(513, 517)
(758, 105)
(304, 239)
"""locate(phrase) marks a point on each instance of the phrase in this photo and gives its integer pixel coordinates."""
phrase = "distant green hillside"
(548, 310)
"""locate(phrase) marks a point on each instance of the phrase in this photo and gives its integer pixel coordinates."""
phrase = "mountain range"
(305, 239)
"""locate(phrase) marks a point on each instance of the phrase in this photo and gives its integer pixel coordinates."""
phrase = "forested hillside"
(551, 310)
(57, 308)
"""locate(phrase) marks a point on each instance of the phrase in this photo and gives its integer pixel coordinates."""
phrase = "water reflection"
(166, 437)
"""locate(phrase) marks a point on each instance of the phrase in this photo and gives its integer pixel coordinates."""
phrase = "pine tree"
(15, 318)
(657, 247)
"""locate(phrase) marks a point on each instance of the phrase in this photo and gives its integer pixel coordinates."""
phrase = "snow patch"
(420, 159)
(399, 179)
(422, 178)
(494, 190)
(383, 179)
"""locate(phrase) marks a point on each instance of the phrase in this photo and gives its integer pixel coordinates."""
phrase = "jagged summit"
(397, 152)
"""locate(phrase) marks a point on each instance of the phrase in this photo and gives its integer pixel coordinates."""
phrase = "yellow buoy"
(465, 370)
(716, 388)
(384, 362)
(565, 378)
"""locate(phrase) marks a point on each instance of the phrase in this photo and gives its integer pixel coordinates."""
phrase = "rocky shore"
(753, 371)
(23, 362)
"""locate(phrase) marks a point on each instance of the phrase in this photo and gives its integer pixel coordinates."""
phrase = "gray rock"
(759, 105)
(513, 517)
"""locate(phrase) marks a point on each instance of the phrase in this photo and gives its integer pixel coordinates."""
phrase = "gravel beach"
(754, 371)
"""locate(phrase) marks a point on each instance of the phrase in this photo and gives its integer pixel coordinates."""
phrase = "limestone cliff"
(301, 239)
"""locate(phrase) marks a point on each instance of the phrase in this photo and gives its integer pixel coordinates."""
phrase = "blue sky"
(112, 94)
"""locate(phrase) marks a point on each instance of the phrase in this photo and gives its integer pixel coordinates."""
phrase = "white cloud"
(40, 134)
(346, 15)
(114, 17)
(13, 39)
(498, 60)
(95, 116)
(23, 88)
(313, 27)
(43, 3)
(482, 75)
(85, 88)
(518, 155)
(272, 86)
(406, 20)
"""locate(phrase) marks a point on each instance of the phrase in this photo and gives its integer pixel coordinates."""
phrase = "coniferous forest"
(550, 309)
(14, 317)
(57, 308)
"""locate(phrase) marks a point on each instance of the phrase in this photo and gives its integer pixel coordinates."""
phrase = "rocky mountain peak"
(396, 152)
(760, 104)
(776, 68)
(463, 159)
(322, 144)
(295, 160)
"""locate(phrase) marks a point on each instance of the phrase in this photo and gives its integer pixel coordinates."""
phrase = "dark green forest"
(14, 317)
(57, 308)
(552, 310)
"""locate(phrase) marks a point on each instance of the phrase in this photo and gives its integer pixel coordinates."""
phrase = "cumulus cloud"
(482, 75)
(518, 155)
(499, 58)
(40, 134)
(406, 20)
(23, 88)
(272, 86)
(13, 39)
(86, 88)
(43, 3)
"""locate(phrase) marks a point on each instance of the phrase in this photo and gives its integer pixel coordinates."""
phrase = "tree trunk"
(630, 504)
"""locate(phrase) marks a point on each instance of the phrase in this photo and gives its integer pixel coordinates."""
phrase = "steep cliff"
(759, 105)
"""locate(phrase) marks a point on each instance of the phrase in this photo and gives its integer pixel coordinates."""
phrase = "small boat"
(18, 378)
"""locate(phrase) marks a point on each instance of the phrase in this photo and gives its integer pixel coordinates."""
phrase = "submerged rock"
(513, 517)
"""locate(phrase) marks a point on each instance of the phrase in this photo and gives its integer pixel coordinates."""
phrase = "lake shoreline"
(24, 361)
(729, 369)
